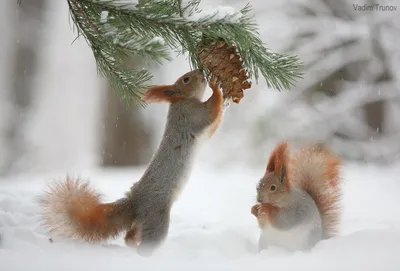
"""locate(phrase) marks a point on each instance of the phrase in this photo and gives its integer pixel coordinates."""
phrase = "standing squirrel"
(298, 198)
(71, 208)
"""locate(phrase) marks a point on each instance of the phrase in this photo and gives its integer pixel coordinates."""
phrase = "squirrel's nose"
(200, 71)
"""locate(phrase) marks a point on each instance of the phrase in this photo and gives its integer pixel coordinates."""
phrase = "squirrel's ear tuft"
(278, 159)
(283, 174)
(164, 93)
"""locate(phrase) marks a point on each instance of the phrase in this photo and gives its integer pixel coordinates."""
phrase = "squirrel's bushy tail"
(70, 208)
(317, 170)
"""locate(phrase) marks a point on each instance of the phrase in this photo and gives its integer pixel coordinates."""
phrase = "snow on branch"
(221, 13)
(119, 29)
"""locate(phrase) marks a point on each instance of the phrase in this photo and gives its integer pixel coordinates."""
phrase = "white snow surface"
(211, 227)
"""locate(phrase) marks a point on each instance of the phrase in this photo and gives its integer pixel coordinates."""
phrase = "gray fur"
(149, 201)
(298, 225)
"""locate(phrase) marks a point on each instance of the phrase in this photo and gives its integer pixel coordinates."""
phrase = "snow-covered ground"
(211, 227)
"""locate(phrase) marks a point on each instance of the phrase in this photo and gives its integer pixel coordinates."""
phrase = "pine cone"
(225, 63)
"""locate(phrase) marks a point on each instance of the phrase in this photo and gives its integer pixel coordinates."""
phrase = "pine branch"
(112, 45)
(117, 30)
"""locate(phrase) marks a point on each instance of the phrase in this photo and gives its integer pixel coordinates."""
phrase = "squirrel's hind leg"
(153, 233)
(132, 237)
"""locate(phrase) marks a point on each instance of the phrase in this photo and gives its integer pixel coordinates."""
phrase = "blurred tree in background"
(349, 97)
(28, 41)
(350, 79)
(127, 137)
(370, 66)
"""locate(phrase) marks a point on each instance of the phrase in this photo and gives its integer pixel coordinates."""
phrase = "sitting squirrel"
(298, 198)
(71, 208)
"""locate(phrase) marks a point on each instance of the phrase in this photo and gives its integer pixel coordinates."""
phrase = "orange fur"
(278, 159)
(72, 209)
(254, 210)
(215, 104)
(316, 170)
(163, 93)
(265, 214)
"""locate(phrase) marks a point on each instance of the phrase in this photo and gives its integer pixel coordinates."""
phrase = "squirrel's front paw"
(254, 209)
(262, 210)
(214, 83)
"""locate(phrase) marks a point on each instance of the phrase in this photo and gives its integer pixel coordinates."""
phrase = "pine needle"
(117, 30)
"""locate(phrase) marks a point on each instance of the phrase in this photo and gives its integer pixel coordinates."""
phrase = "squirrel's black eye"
(272, 188)
(186, 80)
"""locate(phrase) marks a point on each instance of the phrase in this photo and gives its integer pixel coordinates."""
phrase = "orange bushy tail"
(316, 170)
(72, 209)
